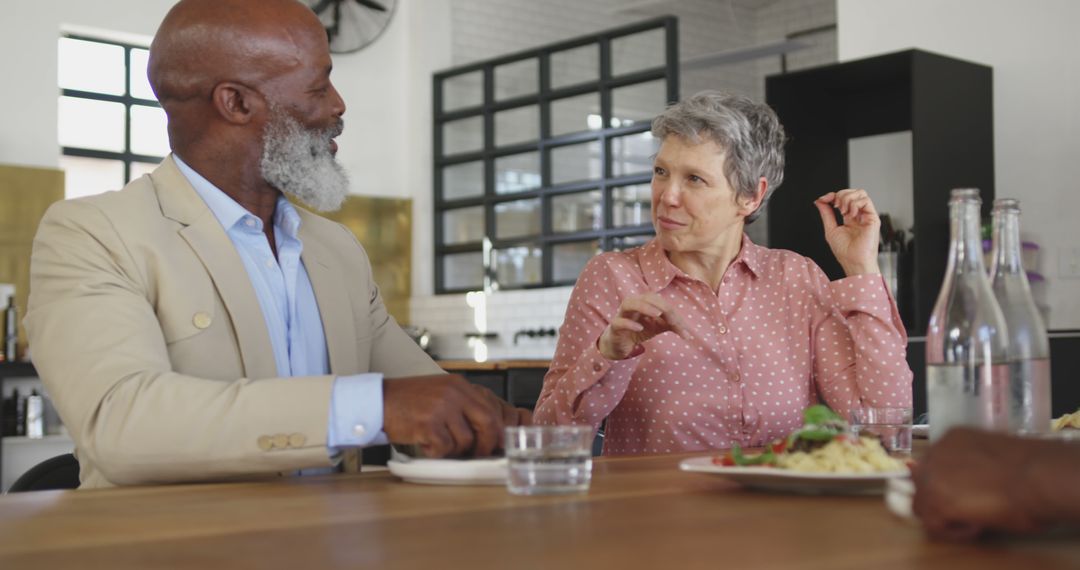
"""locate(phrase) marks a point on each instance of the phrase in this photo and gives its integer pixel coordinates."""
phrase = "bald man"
(195, 326)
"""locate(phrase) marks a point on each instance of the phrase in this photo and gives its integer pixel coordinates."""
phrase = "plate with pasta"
(822, 456)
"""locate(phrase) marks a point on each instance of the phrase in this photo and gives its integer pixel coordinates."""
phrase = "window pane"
(576, 114)
(463, 225)
(149, 133)
(461, 91)
(464, 135)
(573, 66)
(463, 180)
(638, 103)
(633, 154)
(140, 168)
(88, 176)
(643, 50)
(517, 219)
(631, 205)
(568, 259)
(577, 212)
(576, 162)
(86, 123)
(516, 79)
(140, 85)
(515, 266)
(463, 270)
(517, 125)
(517, 172)
(90, 66)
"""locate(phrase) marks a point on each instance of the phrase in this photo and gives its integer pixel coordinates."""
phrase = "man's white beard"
(298, 162)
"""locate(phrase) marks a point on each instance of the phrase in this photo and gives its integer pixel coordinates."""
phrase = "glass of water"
(890, 426)
(545, 460)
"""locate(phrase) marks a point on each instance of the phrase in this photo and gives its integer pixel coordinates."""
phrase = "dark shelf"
(946, 103)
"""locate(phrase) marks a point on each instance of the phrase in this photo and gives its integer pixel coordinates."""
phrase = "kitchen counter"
(464, 365)
(517, 381)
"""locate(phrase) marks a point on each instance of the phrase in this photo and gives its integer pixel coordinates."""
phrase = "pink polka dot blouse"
(777, 337)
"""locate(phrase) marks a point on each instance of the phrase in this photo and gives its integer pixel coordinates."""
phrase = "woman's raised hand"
(855, 243)
(640, 318)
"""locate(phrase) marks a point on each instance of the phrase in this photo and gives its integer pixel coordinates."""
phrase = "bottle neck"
(965, 249)
(1007, 255)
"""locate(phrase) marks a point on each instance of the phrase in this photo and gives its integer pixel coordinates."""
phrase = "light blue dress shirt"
(292, 313)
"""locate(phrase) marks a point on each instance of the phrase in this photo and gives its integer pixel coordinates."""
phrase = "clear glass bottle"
(966, 360)
(1029, 345)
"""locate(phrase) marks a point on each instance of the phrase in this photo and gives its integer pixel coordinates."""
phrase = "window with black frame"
(110, 126)
(543, 158)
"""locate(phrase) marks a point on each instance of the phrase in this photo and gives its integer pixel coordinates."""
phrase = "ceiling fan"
(352, 24)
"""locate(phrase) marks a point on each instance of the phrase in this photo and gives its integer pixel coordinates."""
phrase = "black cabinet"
(946, 103)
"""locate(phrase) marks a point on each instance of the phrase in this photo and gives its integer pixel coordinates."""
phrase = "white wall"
(1035, 53)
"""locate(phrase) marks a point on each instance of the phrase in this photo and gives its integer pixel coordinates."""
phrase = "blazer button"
(297, 440)
(281, 441)
(201, 320)
(265, 443)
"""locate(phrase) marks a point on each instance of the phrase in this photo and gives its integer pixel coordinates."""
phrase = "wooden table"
(640, 513)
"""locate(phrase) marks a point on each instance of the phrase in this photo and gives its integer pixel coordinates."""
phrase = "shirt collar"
(660, 272)
(229, 212)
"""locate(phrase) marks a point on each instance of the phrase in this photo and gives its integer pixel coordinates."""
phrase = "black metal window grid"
(608, 236)
(127, 157)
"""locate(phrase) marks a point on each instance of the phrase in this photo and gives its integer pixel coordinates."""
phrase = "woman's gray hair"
(749, 133)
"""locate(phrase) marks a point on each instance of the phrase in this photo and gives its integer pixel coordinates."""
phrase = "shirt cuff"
(356, 412)
(862, 293)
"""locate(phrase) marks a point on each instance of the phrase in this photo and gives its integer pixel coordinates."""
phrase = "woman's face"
(694, 209)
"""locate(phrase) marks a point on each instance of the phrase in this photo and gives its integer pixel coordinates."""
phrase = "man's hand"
(446, 416)
(640, 318)
(855, 243)
(973, 481)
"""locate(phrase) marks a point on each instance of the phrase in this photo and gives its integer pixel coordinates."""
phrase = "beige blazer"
(149, 337)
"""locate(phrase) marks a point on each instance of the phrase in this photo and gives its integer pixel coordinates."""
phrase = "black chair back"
(60, 472)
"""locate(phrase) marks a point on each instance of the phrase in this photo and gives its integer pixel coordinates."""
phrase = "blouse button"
(722, 329)
(735, 377)
(597, 366)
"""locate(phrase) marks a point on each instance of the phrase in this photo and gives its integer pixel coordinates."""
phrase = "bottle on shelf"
(966, 360)
(35, 419)
(1028, 343)
(11, 331)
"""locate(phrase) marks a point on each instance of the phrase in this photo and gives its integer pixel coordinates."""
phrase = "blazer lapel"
(328, 282)
(208, 239)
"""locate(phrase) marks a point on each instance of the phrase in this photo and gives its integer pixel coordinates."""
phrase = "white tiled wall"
(449, 317)
(483, 29)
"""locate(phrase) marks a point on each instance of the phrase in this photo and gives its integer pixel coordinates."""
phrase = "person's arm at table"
(101, 351)
(972, 482)
(599, 345)
(859, 341)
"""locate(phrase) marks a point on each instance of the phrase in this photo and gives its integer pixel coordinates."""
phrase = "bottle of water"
(1029, 345)
(966, 361)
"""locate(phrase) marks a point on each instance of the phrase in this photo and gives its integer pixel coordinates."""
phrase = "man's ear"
(236, 102)
(749, 206)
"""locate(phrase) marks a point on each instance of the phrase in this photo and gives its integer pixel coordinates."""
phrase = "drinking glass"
(891, 426)
(545, 460)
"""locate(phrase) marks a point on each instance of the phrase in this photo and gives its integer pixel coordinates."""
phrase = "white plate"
(451, 471)
(773, 479)
(898, 494)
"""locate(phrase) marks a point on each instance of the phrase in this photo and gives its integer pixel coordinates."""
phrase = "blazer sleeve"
(99, 348)
(392, 352)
